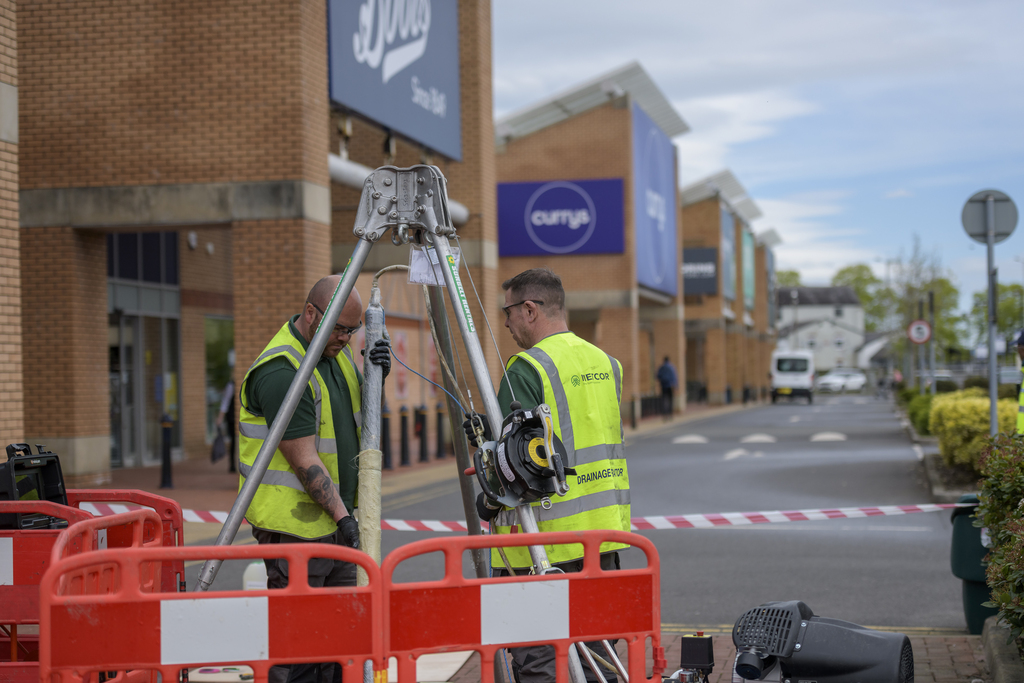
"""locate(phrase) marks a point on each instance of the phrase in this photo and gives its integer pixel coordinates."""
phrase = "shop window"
(811, 343)
(170, 258)
(839, 342)
(151, 260)
(220, 343)
(839, 311)
(127, 256)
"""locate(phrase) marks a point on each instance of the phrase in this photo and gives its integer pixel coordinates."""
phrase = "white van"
(792, 374)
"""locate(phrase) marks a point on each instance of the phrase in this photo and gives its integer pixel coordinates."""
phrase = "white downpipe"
(352, 174)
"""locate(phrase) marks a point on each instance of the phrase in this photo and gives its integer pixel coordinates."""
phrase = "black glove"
(471, 433)
(380, 355)
(348, 531)
(484, 509)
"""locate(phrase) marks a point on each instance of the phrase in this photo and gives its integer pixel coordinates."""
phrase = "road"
(879, 571)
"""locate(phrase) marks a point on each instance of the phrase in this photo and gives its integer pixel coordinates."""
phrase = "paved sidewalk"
(937, 659)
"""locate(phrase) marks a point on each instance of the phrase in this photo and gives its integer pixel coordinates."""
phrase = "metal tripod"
(401, 201)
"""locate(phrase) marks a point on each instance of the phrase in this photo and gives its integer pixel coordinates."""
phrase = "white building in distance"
(829, 321)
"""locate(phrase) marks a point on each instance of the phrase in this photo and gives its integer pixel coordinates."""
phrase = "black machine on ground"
(27, 477)
(786, 642)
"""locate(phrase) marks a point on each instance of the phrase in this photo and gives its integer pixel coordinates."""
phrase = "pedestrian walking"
(669, 381)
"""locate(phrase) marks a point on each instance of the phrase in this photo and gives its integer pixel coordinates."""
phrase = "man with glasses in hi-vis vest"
(308, 492)
(583, 387)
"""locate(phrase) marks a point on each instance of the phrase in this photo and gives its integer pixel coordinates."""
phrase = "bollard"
(632, 412)
(385, 436)
(440, 430)
(403, 437)
(166, 424)
(421, 432)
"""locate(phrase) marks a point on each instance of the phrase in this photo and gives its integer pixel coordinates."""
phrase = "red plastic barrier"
(173, 576)
(459, 613)
(91, 623)
(24, 557)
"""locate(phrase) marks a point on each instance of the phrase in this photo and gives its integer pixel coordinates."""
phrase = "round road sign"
(919, 331)
(974, 216)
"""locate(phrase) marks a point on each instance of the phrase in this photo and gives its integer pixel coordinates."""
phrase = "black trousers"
(322, 572)
(536, 663)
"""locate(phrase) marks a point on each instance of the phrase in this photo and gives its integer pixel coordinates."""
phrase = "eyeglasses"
(524, 301)
(338, 329)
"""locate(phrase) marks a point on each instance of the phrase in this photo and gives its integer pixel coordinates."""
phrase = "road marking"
(690, 438)
(860, 401)
(758, 438)
(828, 436)
(735, 453)
(919, 451)
(794, 418)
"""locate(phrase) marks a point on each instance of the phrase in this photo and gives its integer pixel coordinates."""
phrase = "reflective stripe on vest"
(598, 496)
(281, 502)
(1020, 411)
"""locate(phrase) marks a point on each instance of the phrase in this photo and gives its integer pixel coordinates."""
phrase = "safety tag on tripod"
(425, 267)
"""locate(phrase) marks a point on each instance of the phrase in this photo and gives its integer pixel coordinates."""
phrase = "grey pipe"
(284, 415)
(369, 441)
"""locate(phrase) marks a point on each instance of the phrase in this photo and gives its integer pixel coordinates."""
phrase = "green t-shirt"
(527, 386)
(265, 393)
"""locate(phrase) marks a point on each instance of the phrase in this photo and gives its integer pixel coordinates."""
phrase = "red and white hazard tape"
(706, 521)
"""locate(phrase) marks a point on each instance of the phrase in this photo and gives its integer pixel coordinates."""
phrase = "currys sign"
(560, 217)
(397, 62)
(654, 179)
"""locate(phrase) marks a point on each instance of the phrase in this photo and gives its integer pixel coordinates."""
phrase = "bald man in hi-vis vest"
(583, 387)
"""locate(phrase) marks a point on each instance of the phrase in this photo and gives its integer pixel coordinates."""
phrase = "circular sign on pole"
(919, 332)
(973, 216)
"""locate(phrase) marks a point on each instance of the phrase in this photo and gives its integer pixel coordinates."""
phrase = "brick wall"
(118, 92)
(701, 224)
(64, 318)
(206, 290)
(11, 408)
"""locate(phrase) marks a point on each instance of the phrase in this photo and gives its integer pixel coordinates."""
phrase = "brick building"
(729, 277)
(177, 201)
(587, 187)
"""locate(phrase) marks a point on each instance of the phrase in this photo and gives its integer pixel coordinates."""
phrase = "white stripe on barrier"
(693, 521)
(6, 561)
(214, 630)
(503, 619)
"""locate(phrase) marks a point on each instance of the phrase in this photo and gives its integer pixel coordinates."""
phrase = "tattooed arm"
(301, 455)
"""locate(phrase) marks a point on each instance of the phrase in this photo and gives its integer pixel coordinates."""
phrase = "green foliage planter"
(960, 421)
(919, 410)
(1002, 512)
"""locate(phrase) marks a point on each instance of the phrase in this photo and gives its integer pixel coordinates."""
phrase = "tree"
(868, 288)
(1009, 313)
(787, 278)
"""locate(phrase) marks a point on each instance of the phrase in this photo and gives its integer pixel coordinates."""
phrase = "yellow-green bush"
(960, 420)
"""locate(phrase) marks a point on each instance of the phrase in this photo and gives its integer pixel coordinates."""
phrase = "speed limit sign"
(919, 331)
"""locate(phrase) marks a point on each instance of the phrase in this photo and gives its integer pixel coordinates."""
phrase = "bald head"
(316, 304)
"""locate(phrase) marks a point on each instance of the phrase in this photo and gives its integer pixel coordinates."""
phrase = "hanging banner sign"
(560, 217)
(749, 287)
(654, 205)
(700, 271)
(728, 255)
(397, 63)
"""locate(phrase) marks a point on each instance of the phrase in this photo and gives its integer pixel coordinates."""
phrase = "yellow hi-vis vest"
(583, 387)
(281, 503)
(1020, 410)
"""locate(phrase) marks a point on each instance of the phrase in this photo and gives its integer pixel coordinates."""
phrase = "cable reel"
(527, 463)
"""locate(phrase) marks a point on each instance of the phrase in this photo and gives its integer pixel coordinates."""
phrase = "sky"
(854, 126)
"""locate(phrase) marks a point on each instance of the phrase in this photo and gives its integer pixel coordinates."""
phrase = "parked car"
(842, 380)
(792, 375)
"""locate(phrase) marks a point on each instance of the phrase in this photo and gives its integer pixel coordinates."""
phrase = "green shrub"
(979, 382)
(944, 386)
(1007, 391)
(1001, 512)
(906, 395)
(960, 420)
(918, 411)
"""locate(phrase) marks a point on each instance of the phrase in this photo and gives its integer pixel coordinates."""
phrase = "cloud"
(723, 121)
(897, 194)
(809, 243)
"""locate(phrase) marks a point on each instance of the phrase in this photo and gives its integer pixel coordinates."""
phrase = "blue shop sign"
(397, 63)
(560, 217)
(654, 210)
